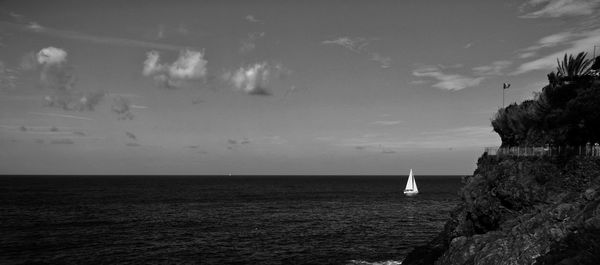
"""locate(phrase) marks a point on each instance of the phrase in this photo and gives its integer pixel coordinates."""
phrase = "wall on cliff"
(526, 210)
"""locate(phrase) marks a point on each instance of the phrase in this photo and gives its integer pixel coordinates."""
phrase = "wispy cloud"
(249, 43)
(34, 26)
(133, 106)
(16, 16)
(353, 44)
(494, 69)
(547, 42)
(8, 77)
(251, 18)
(583, 41)
(73, 35)
(50, 114)
(359, 45)
(387, 123)
(446, 81)
(385, 62)
(559, 8)
(163, 31)
(183, 30)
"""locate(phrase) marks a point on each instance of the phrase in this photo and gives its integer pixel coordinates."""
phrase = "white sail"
(411, 185)
(410, 182)
(415, 189)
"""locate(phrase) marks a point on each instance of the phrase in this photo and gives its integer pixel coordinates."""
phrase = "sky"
(271, 87)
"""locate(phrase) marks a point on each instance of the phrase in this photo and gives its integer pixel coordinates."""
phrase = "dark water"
(218, 220)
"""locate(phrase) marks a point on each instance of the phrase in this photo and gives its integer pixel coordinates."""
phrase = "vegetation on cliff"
(565, 112)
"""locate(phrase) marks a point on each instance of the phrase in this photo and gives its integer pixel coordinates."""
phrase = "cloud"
(151, 65)
(190, 65)
(560, 8)
(17, 16)
(35, 26)
(387, 123)
(353, 44)
(583, 41)
(51, 56)
(249, 43)
(358, 45)
(252, 79)
(73, 35)
(255, 79)
(122, 107)
(74, 101)
(55, 74)
(451, 82)
(547, 42)
(385, 62)
(58, 77)
(251, 18)
(61, 115)
(493, 69)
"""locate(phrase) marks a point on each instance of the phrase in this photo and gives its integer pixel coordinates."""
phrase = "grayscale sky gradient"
(275, 87)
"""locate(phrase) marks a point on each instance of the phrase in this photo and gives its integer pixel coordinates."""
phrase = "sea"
(219, 219)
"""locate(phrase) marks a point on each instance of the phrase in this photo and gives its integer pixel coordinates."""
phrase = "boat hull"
(411, 193)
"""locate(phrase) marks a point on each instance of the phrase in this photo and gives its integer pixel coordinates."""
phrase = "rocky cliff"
(527, 210)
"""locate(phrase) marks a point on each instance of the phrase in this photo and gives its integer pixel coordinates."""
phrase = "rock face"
(527, 210)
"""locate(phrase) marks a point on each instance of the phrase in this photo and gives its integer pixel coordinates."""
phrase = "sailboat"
(411, 186)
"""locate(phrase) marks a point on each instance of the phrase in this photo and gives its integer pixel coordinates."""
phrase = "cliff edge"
(522, 210)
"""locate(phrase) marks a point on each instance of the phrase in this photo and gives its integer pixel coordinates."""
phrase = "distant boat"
(411, 186)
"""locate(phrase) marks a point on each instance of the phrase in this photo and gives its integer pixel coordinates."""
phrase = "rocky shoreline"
(522, 210)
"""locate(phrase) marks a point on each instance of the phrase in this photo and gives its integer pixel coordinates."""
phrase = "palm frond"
(574, 66)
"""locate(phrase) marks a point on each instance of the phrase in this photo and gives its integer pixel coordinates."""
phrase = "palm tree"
(573, 67)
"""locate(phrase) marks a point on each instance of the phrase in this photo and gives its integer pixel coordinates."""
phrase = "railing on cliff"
(584, 150)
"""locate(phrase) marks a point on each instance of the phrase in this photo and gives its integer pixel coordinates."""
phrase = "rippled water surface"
(219, 220)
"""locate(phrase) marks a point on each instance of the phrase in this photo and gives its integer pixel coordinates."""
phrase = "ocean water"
(219, 220)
